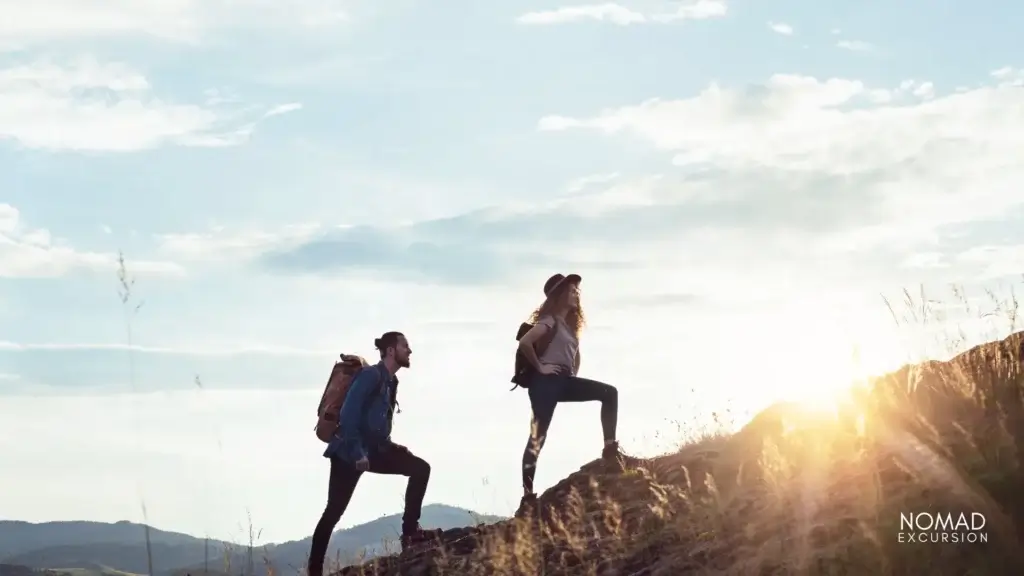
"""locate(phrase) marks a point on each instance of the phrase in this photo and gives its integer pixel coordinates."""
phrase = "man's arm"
(352, 412)
(576, 364)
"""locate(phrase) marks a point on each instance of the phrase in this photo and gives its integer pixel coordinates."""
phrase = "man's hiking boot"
(527, 506)
(418, 537)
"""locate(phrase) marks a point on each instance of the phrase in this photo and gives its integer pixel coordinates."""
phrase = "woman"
(552, 349)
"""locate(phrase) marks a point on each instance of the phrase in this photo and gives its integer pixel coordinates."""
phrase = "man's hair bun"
(387, 340)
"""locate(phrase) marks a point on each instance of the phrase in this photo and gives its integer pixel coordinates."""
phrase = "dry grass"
(794, 491)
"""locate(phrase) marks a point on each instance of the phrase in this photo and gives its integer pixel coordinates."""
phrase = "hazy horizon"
(739, 184)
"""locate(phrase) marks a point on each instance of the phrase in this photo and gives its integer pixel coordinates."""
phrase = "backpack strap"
(381, 385)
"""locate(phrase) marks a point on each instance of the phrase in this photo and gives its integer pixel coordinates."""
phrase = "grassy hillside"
(793, 492)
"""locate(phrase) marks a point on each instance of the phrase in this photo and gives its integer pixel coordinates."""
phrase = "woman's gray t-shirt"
(562, 349)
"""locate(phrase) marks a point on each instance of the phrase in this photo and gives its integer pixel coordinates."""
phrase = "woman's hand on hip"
(551, 369)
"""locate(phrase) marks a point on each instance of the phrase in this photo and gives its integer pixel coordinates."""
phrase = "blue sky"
(737, 182)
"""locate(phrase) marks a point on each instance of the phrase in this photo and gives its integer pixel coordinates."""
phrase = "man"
(363, 444)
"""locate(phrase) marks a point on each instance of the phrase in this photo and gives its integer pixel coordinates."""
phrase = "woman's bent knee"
(611, 393)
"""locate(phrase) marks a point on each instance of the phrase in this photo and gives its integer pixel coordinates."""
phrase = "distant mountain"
(370, 538)
(103, 549)
(19, 537)
(105, 556)
(16, 570)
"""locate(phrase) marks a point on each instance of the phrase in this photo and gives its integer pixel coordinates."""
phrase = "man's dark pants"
(392, 460)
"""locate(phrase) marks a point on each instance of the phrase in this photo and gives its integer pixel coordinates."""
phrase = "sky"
(741, 185)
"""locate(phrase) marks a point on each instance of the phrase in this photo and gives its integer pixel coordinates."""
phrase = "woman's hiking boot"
(527, 506)
(417, 537)
(612, 456)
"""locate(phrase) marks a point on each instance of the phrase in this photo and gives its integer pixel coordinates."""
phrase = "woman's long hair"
(575, 319)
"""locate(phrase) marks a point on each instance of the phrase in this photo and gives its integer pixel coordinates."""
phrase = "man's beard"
(404, 363)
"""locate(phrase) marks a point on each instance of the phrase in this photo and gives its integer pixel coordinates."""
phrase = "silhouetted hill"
(17, 570)
(103, 556)
(20, 537)
(94, 548)
(795, 491)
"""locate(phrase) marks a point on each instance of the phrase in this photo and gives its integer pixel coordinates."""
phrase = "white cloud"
(32, 252)
(92, 105)
(699, 10)
(613, 13)
(646, 191)
(926, 160)
(855, 45)
(283, 109)
(268, 350)
(220, 243)
(997, 260)
(39, 21)
(781, 28)
(833, 175)
(925, 90)
(622, 16)
(925, 260)
(580, 184)
(786, 122)
(1009, 76)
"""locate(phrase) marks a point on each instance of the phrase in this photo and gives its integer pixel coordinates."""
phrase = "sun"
(836, 366)
(816, 362)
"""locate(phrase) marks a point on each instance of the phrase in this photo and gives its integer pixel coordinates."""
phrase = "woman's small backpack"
(523, 369)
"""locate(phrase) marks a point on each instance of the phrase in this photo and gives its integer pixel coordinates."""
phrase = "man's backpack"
(337, 387)
(523, 369)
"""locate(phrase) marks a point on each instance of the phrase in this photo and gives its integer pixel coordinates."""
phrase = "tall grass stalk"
(130, 308)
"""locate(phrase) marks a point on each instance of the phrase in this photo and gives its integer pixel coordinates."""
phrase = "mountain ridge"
(121, 546)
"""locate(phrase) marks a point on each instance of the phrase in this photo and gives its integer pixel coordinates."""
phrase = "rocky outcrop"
(584, 520)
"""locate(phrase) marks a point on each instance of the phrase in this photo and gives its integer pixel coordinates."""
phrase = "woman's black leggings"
(546, 391)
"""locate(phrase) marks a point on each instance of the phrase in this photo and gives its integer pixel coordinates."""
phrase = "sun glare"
(817, 362)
